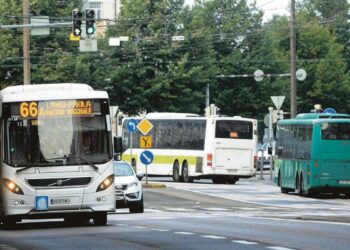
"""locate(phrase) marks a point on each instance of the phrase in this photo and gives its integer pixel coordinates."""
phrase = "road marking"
(245, 242)
(122, 225)
(160, 230)
(279, 248)
(215, 209)
(140, 227)
(6, 247)
(184, 233)
(214, 237)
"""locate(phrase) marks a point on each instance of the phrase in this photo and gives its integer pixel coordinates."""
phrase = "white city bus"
(188, 146)
(57, 155)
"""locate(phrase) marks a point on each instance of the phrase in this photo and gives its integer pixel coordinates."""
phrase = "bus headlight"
(106, 183)
(12, 187)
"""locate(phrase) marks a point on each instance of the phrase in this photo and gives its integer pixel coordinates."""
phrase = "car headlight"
(106, 183)
(133, 184)
(12, 186)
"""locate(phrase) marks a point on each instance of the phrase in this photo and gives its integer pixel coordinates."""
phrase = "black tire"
(283, 190)
(78, 220)
(297, 183)
(232, 180)
(185, 176)
(301, 190)
(100, 218)
(8, 222)
(219, 180)
(176, 172)
(137, 207)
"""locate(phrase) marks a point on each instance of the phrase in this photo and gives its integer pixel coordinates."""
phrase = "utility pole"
(26, 44)
(293, 86)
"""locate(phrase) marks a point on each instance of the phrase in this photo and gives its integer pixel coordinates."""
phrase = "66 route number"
(28, 109)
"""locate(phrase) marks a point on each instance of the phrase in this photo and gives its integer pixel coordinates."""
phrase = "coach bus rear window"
(335, 131)
(234, 129)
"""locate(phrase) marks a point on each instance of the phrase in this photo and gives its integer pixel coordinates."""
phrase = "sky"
(270, 7)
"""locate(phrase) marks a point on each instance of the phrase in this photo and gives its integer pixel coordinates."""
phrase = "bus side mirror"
(118, 145)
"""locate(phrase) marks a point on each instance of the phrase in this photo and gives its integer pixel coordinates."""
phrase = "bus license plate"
(344, 182)
(62, 201)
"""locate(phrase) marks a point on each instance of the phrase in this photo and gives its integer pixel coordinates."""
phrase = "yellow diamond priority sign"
(144, 126)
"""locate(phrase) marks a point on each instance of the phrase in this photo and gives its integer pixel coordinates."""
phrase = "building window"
(96, 6)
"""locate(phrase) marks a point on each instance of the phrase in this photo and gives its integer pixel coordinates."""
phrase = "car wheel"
(100, 218)
(137, 207)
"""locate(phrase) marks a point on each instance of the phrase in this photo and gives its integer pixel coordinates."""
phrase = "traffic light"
(76, 17)
(90, 21)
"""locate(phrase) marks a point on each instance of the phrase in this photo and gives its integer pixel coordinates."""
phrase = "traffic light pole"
(26, 44)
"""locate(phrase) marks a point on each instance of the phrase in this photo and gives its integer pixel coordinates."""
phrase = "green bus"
(313, 154)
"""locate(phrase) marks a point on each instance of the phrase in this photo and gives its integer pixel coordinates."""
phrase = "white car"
(128, 189)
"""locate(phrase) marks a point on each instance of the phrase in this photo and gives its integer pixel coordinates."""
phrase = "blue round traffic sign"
(146, 157)
(329, 111)
(132, 125)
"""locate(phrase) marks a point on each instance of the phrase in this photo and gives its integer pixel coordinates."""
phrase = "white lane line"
(160, 230)
(215, 209)
(184, 233)
(279, 248)
(140, 227)
(121, 225)
(161, 218)
(214, 237)
(245, 242)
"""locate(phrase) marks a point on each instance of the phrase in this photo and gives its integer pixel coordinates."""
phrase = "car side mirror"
(140, 176)
(118, 145)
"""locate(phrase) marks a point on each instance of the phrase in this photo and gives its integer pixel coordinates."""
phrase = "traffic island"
(153, 185)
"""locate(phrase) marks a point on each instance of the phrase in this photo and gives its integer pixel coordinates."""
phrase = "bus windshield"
(335, 131)
(56, 140)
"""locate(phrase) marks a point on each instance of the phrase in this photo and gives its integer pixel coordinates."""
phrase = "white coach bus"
(56, 154)
(188, 146)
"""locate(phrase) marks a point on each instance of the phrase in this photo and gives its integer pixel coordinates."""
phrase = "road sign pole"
(146, 174)
(270, 138)
(131, 152)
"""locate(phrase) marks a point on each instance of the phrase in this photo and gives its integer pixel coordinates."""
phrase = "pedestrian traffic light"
(90, 21)
(76, 17)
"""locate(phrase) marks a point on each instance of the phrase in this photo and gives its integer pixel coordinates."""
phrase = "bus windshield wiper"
(85, 161)
(37, 164)
(60, 158)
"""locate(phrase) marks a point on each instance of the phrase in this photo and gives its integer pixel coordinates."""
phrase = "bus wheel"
(9, 223)
(232, 180)
(185, 176)
(301, 190)
(100, 218)
(279, 181)
(133, 164)
(176, 174)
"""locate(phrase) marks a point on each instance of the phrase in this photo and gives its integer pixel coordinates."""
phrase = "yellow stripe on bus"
(165, 159)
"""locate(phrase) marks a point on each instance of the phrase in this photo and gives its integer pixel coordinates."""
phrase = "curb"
(153, 185)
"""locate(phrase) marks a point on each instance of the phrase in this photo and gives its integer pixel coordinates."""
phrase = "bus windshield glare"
(60, 136)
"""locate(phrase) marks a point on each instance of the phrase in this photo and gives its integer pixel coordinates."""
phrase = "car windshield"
(123, 169)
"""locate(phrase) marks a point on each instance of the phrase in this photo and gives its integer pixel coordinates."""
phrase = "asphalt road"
(248, 215)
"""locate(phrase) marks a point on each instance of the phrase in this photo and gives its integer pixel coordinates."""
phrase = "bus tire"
(232, 180)
(176, 172)
(9, 222)
(100, 218)
(297, 183)
(301, 190)
(185, 175)
(133, 164)
(279, 181)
